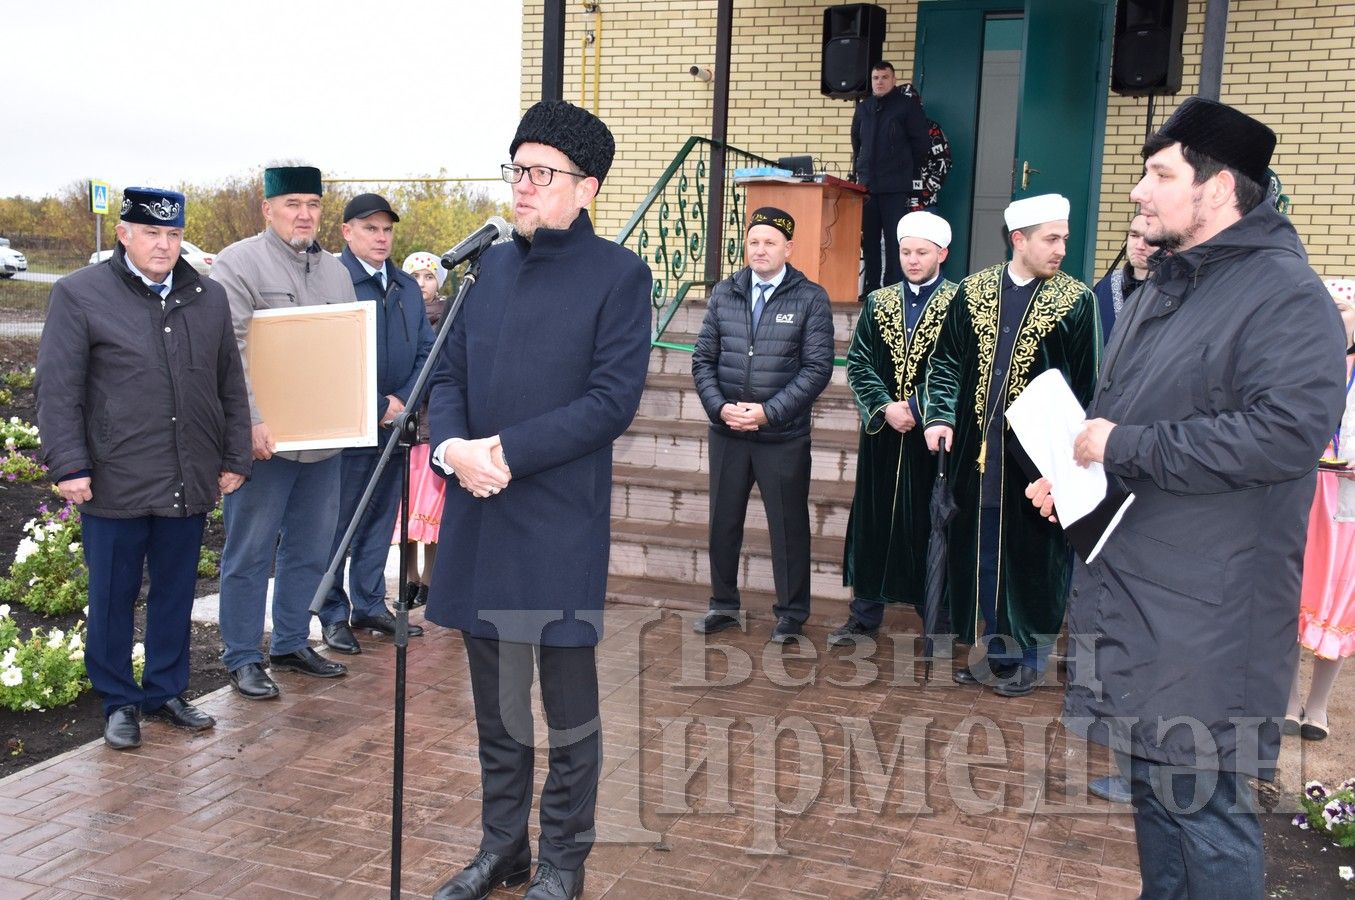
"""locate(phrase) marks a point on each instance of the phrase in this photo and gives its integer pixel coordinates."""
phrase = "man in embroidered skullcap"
(542, 372)
(145, 423)
(764, 354)
(1007, 568)
(283, 519)
(403, 340)
(1222, 383)
(884, 559)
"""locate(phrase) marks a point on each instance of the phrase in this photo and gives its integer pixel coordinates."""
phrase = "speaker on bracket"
(1148, 35)
(853, 40)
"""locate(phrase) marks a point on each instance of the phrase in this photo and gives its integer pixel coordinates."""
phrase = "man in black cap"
(764, 354)
(286, 512)
(145, 423)
(542, 371)
(1220, 386)
(403, 339)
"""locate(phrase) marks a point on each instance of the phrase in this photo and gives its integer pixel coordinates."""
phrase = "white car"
(12, 261)
(191, 253)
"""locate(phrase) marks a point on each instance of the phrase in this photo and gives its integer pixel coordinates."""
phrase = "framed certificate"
(312, 370)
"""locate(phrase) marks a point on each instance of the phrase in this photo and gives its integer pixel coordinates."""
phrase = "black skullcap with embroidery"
(152, 206)
(575, 132)
(1222, 133)
(777, 218)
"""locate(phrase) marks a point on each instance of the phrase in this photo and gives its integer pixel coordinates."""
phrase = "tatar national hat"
(925, 225)
(364, 205)
(776, 218)
(575, 132)
(152, 206)
(1222, 133)
(278, 180)
(1030, 211)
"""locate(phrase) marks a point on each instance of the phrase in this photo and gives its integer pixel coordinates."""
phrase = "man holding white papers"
(1008, 568)
(1221, 386)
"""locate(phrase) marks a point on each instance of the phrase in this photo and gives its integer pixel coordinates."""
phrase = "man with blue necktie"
(145, 423)
(764, 355)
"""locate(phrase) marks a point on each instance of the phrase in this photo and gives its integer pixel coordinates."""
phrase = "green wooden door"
(1061, 123)
(1061, 117)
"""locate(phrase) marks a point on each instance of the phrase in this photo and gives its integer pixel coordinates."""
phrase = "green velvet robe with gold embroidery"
(1060, 330)
(885, 556)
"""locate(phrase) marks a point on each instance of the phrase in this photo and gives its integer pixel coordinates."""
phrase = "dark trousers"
(366, 594)
(116, 550)
(868, 612)
(501, 683)
(880, 218)
(781, 472)
(1213, 851)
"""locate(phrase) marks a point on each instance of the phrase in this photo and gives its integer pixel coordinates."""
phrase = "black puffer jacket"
(785, 369)
(147, 396)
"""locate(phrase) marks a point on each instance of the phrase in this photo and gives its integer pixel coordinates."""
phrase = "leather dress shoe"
(714, 621)
(986, 673)
(1113, 788)
(851, 633)
(1020, 683)
(122, 730)
(182, 714)
(340, 637)
(486, 872)
(420, 598)
(382, 623)
(252, 682)
(551, 883)
(785, 629)
(307, 662)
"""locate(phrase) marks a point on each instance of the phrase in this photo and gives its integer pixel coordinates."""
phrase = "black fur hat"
(1220, 132)
(575, 132)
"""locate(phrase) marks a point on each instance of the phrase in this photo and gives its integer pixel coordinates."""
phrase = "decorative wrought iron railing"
(669, 228)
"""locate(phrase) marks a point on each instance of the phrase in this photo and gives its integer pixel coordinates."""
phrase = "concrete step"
(674, 397)
(663, 496)
(680, 445)
(825, 612)
(678, 552)
(687, 320)
(666, 361)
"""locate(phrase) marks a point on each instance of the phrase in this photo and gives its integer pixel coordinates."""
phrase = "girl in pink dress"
(425, 487)
(1327, 604)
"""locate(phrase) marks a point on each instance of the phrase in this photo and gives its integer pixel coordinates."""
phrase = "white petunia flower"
(74, 547)
(138, 650)
(8, 659)
(12, 677)
(1346, 872)
(27, 547)
(76, 655)
(56, 638)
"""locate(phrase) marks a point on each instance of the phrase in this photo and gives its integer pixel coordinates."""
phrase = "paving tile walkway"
(733, 768)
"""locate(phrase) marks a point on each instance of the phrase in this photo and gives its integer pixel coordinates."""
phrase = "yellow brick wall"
(1288, 63)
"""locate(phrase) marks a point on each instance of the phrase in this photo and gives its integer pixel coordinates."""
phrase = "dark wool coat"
(785, 368)
(549, 352)
(1225, 379)
(150, 401)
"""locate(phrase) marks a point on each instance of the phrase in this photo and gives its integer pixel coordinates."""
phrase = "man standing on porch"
(1008, 569)
(889, 146)
(885, 556)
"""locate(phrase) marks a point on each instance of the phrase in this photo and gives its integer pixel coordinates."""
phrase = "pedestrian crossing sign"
(98, 197)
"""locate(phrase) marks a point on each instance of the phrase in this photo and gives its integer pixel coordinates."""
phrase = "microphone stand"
(404, 429)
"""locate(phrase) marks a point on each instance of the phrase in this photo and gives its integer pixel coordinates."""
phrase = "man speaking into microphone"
(542, 371)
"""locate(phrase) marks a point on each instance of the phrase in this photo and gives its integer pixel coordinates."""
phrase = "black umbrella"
(943, 509)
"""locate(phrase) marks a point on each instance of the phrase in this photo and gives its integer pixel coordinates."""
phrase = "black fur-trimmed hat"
(1225, 134)
(575, 132)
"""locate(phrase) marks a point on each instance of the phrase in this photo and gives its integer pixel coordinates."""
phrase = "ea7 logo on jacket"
(785, 318)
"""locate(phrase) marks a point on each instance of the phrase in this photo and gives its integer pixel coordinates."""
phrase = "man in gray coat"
(144, 421)
(289, 508)
(1220, 387)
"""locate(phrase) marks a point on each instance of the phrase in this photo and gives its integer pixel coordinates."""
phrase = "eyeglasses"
(540, 175)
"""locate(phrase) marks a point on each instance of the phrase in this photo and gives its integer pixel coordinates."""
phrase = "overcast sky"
(154, 92)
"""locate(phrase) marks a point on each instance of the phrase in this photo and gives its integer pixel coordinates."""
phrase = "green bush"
(20, 378)
(16, 434)
(42, 671)
(209, 563)
(48, 574)
(17, 466)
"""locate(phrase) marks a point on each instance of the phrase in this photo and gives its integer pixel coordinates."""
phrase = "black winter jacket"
(148, 397)
(889, 142)
(785, 368)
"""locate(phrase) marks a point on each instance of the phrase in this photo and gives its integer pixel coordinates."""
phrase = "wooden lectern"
(827, 218)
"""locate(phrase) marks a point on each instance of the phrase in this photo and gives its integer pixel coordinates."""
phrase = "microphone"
(493, 231)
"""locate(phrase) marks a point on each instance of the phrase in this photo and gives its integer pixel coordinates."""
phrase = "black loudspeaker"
(1148, 36)
(853, 39)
